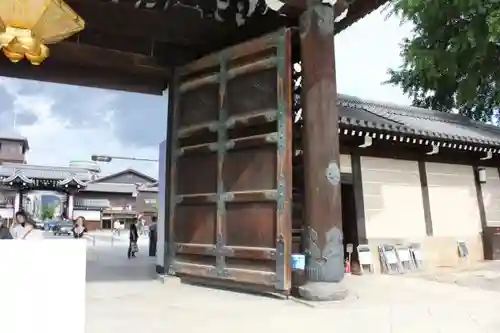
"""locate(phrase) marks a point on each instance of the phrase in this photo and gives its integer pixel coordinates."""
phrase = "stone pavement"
(124, 296)
(482, 275)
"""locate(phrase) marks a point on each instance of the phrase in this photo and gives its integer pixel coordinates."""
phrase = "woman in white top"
(30, 232)
(17, 228)
(24, 228)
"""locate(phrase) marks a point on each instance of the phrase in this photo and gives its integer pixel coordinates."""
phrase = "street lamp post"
(108, 159)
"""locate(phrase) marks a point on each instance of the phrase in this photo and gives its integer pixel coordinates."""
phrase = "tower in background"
(13, 148)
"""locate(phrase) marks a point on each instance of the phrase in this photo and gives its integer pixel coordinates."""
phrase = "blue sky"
(64, 123)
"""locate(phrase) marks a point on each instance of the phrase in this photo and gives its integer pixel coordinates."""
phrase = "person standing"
(116, 227)
(133, 238)
(79, 228)
(17, 227)
(153, 236)
(4, 231)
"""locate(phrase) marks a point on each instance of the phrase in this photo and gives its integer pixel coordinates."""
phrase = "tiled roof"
(415, 121)
(43, 172)
(123, 172)
(67, 173)
(118, 188)
(110, 187)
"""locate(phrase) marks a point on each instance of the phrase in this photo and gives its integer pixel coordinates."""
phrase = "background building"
(76, 190)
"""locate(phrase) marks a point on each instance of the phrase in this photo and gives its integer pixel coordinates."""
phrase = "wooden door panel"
(230, 206)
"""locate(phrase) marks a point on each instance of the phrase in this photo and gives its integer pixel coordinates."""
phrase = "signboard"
(27, 266)
(298, 261)
(365, 255)
(349, 248)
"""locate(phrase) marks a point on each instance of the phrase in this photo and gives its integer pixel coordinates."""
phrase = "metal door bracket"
(218, 271)
(272, 137)
(271, 195)
(228, 196)
(213, 146)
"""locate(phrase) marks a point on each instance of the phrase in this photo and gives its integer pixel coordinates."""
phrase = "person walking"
(79, 228)
(140, 226)
(133, 238)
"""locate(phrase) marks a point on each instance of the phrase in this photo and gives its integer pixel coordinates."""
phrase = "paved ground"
(485, 275)
(124, 296)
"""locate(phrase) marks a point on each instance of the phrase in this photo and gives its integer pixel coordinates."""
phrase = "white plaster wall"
(491, 197)
(89, 215)
(393, 198)
(453, 200)
(345, 163)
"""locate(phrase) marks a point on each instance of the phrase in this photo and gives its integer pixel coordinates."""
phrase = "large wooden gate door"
(231, 201)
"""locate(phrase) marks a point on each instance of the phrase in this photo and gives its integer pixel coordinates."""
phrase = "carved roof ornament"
(219, 10)
(72, 180)
(28, 26)
(17, 177)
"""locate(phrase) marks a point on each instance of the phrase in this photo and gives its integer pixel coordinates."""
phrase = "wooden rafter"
(73, 53)
(56, 71)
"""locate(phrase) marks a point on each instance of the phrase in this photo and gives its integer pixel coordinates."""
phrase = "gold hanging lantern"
(28, 26)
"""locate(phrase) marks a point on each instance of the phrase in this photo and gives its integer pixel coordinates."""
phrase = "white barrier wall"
(453, 200)
(345, 163)
(26, 306)
(393, 199)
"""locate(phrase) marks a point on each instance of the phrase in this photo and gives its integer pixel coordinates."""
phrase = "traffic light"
(101, 158)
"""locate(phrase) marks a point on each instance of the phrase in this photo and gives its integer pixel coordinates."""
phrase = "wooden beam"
(359, 200)
(93, 56)
(422, 170)
(88, 76)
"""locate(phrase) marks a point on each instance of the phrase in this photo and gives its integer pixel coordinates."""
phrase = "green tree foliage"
(48, 212)
(453, 59)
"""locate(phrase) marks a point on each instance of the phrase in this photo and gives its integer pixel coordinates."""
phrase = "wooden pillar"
(17, 201)
(323, 211)
(71, 205)
(171, 172)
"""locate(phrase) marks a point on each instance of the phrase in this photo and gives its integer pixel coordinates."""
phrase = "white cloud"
(54, 140)
(364, 53)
